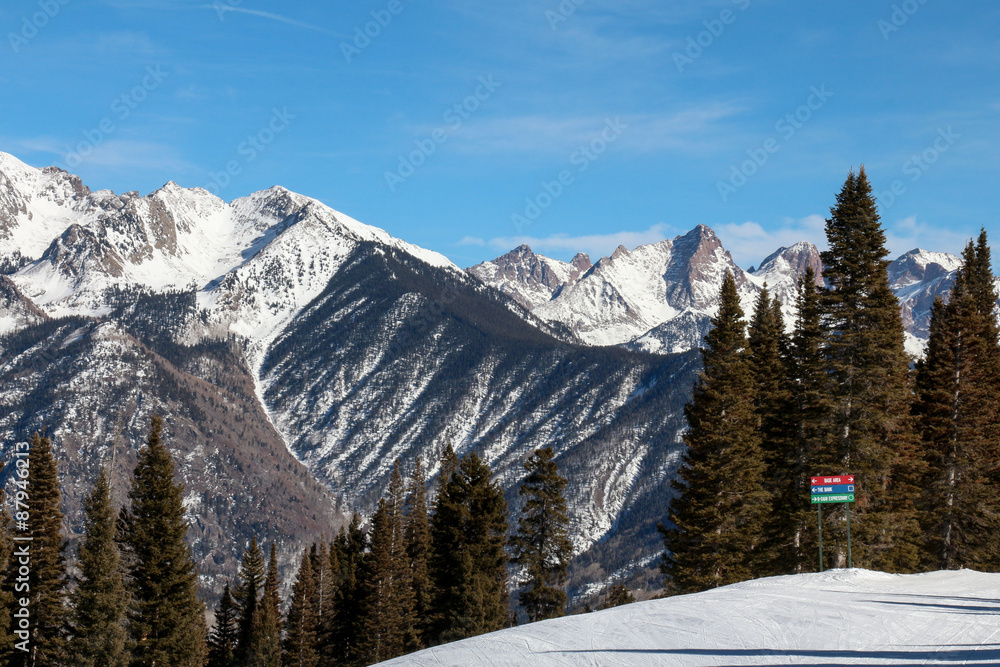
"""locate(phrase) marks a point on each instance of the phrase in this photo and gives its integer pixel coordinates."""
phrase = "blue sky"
(469, 127)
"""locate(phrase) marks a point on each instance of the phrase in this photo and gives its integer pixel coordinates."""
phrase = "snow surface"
(840, 617)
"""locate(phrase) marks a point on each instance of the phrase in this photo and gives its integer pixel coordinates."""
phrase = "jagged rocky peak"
(921, 266)
(529, 278)
(581, 262)
(782, 268)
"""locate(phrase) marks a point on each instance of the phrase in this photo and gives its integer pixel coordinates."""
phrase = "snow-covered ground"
(841, 617)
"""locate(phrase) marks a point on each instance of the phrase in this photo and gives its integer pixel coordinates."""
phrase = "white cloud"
(750, 242)
(222, 10)
(908, 233)
(693, 130)
(472, 240)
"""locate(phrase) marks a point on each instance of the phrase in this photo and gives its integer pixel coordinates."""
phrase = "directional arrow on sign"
(833, 488)
(839, 479)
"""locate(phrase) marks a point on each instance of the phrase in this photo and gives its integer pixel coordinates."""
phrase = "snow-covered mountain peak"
(529, 278)
(284, 245)
(921, 265)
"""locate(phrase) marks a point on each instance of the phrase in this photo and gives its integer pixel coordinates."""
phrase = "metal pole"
(850, 563)
(819, 515)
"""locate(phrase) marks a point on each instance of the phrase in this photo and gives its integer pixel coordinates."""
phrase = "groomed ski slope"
(840, 617)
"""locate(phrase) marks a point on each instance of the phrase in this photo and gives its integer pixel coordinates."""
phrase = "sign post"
(834, 489)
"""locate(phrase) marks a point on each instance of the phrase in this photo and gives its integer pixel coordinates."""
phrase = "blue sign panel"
(833, 488)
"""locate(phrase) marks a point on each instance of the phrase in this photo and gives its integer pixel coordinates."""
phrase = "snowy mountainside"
(93, 385)
(918, 277)
(380, 368)
(839, 617)
(359, 348)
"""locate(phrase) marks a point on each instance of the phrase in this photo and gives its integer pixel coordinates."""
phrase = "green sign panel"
(834, 498)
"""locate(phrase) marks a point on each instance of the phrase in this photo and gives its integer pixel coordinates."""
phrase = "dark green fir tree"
(47, 579)
(341, 626)
(247, 593)
(168, 620)
(717, 527)
(225, 634)
(325, 568)
(807, 452)
(958, 407)
(300, 624)
(541, 547)
(100, 602)
(386, 590)
(265, 641)
(872, 432)
(418, 542)
(468, 565)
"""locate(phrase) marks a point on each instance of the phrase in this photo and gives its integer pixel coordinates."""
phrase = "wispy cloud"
(689, 130)
(750, 242)
(224, 9)
(909, 233)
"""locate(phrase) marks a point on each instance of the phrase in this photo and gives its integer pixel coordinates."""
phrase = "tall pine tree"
(47, 579)
(386, 592)
(249, 587)
(168, 620)
(872, 430)
(300, 625)
(541, 546)
(958, 405)
(806, 451)
(718, 526)
(100, 601)
(469, 564)
(265, 640)
(418, 542)
(222, 641)
(342, 625)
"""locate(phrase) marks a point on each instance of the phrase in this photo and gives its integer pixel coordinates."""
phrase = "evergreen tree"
(222, 641)
(325, 568)
(768, 348)
(265, 635)
(872, 429)
(47, 579)
(718, 527)
(6, 594)
(541, 546)
(959, 411)
(617, 595)
(168, 619)
(249, 587)
(806, 452)
(386, 591)
(100, 601)
(341, 628)
(469, 564)
(300, 625)
(418, 543)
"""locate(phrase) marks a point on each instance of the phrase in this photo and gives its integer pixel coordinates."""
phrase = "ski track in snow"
(840, 617)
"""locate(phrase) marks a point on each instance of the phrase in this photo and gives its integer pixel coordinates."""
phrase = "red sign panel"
(842, 479)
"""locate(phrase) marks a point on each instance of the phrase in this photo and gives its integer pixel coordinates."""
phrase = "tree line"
(421, 573)
(838, 396)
